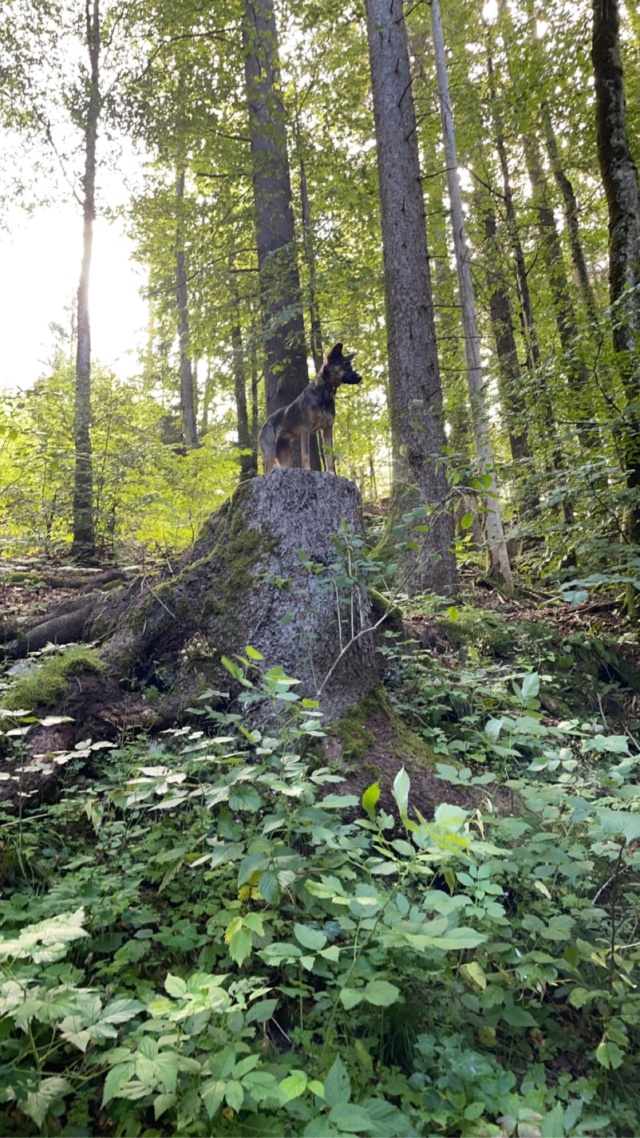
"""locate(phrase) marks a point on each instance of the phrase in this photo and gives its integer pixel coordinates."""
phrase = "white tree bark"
(498, 555)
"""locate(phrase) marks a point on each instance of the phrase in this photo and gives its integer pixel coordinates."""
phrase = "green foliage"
(225, 943)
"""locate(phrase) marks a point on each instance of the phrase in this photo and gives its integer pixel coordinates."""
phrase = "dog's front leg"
(327, 437)
(305, 438)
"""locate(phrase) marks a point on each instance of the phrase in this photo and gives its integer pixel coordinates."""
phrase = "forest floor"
(588, 657)
(482, 800)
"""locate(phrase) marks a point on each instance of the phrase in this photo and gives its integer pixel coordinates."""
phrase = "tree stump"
(265, 571)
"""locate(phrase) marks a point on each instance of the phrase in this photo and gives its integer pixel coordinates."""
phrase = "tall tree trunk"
(286, 371)
(620, 179)
(498, 555)
(571, 214)
(248, 459)
(415, 392)
(83, 547)
(315, 324)
(187, 390)
(509, 376)
(564, 310)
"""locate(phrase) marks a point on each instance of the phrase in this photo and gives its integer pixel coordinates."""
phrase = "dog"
(314, 410)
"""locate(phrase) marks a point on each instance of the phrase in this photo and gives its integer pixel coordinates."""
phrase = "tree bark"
(498, 555)
(564, 311)
(415, 392)
(620, 179)
(315, 323)
(187, 390)
(163, 640)
(248, 457)
(510, 378)
(571, 215)
(286, 370)
(83, 547)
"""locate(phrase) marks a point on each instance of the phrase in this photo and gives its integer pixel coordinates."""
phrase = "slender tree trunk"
(286, 370)
(207, 396)
(187, 391)
(510, 378)
(620, 179)
(571, 215)
(498, 555)
(83, 547)
(415, 392)
(564, 311)
(255, 379)
(248, 459)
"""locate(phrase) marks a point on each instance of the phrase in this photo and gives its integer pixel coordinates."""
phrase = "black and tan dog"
(314, 410)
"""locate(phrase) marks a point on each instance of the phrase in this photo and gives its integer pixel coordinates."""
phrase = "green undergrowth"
(46, 682)
(206, 935)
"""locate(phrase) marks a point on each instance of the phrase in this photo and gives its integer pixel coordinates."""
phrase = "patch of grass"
(47, 683)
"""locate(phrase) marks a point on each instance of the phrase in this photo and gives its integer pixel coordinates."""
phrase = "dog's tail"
(268, 438)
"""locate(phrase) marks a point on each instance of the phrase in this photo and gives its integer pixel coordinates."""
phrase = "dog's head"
(337, 368)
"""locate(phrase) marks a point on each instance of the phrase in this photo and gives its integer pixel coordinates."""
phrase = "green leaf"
(609, 1055)
(268, 887)
(350, 997)
(337, 1085)
(39, 1102)
(117, 1077)
(234, 1094)
(253, 653)
(381, 993)
(212, 1094)
(261, 1011)
(310, 938)
(294, 1085)
(518, 1017)
(166, 1070)
(351, 1119)
(370, 799)
(530, 686)
(466, 521)
(401, 786)
(240, 945)
(175, 986)
(452, 817)
(121, 1010)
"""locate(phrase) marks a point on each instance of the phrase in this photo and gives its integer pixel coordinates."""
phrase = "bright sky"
(40, 261)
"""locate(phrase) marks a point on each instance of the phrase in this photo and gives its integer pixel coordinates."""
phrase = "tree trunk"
(286, 370)
(564, 311)
(620, 179)
(415, 392)
(498, 555)
(248, 457)
(187, 391)
(510, 378)
(83, 547)
(571, 212)
(315, 324)
(163, 641)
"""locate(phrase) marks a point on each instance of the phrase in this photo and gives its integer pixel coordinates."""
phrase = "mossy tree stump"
(265, 571)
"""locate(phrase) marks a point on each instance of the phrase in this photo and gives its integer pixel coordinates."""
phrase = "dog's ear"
(335, 354)
(351, 356)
